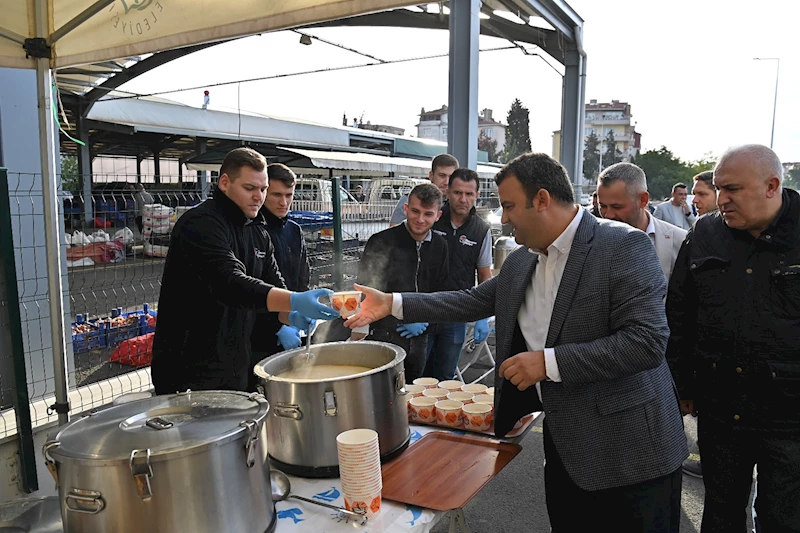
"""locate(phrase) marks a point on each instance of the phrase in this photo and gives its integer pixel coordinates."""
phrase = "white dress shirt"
(540, 296)
(651, 228)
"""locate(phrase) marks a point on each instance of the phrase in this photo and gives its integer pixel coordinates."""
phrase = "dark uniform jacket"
(734, 314)
(394, 262)
(464, 245)
(218, 272)
(290, 254)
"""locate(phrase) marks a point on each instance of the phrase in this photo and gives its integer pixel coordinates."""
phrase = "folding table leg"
(458, 522)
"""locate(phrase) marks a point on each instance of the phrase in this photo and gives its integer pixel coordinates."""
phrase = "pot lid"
(163, 424)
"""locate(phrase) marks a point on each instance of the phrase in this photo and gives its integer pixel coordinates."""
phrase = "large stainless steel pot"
(502, 249)
(307, 415)
(193, 461)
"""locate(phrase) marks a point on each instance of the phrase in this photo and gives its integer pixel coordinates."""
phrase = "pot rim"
(258, 370)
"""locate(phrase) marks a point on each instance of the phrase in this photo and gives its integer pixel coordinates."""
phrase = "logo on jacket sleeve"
(466, 242)
(259, 253)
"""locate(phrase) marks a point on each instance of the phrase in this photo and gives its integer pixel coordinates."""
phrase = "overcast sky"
(685, 67)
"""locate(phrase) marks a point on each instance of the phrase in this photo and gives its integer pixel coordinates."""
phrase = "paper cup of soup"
(461, 396)
(423, 409)
(448, 413)
(439, 394)
(451, 384)
(477, 416)
(487, 399)
(346, 302)
(428, 383)
(474, 388)
(490, 390)
(414, 391)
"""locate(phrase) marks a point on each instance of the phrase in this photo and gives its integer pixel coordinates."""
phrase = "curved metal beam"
(156, 60)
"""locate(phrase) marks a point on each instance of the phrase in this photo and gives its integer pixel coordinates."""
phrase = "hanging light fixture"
(305, 39)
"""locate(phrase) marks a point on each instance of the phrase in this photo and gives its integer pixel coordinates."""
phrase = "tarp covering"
(126, 28)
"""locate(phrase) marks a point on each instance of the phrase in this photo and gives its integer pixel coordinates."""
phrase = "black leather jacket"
(733, 307)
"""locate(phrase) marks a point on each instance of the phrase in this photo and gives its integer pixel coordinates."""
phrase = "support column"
(462, 110)
(157, 165)
(139, 160)
(572, 117)
(202, 175)
(52, 228)
(338, 259)
(85, 166)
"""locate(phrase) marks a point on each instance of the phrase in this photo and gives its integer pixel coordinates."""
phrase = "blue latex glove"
(416, 329)
(300, 322)
(289, 337)
(307, 304)
(481, 330)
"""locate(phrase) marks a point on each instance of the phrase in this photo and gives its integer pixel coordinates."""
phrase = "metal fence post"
(28, 478)
(338, 259)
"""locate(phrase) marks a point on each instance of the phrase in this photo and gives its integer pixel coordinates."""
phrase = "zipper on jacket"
(419, 260)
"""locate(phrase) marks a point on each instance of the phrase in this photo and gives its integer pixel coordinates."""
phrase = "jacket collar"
(784, 229)
(274, 220)
(233, 212)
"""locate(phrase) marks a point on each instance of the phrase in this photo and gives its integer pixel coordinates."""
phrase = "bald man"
(733, 307)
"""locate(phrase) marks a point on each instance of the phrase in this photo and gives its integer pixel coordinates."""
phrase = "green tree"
(591, 157)
(488, 145)
(518, 135)
(663, 170)
(707, 162)
(612, 154)
(69, 173)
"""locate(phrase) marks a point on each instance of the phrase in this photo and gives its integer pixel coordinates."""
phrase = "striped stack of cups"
(360, 470)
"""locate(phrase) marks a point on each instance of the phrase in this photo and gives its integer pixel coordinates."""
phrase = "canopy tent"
(85, 31)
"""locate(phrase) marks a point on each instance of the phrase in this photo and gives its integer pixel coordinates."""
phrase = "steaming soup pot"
(341, 386)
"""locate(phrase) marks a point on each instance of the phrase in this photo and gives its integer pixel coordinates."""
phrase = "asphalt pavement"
(514, 501)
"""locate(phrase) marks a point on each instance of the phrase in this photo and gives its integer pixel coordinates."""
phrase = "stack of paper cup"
(360, 470)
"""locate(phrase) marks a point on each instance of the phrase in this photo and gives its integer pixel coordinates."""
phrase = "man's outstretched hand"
(376, 305)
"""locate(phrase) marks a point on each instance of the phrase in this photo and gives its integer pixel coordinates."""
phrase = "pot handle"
(48, 461)
(288, 410)
(400, 383)
(142, 472)
(251, 426)
(84, 501)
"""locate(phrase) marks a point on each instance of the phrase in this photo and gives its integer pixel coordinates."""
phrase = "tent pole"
(47, 147)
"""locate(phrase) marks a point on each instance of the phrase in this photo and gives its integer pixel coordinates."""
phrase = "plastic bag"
(136, 352)
(124, 235)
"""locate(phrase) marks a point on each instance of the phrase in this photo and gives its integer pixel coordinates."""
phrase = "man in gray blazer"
(581, 334)
(622, 191)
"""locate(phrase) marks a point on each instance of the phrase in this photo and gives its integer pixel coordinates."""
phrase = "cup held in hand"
(347, 303)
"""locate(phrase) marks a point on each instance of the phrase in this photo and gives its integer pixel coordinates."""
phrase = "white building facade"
(433, 125)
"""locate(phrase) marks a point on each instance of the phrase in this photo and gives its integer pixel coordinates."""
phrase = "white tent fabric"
(125, 28)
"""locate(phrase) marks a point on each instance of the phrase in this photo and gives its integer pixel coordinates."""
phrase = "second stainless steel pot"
(308, 414)
(194, 461)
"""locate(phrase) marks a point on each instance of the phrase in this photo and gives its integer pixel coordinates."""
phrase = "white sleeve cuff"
(551, 365)
(397, 305)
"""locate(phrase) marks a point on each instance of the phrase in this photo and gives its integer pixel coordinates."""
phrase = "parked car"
(315, 194)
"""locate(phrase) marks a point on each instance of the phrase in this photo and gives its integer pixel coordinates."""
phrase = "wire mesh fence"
(114, 243)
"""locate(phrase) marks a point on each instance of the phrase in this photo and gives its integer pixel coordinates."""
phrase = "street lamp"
(775, 100)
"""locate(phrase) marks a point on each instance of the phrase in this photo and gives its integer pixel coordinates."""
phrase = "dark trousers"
(444, 350)
(139, 223)
(652, 506)
(728, 458)
(415, 348)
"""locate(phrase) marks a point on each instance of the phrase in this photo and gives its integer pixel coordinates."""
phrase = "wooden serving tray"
(524, 422)
(443, 471)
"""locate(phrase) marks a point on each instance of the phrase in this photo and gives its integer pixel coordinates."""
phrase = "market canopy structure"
(81, 31)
